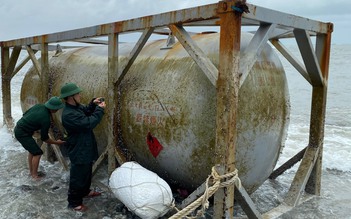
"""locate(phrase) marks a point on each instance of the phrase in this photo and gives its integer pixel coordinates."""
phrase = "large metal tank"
(165, 94)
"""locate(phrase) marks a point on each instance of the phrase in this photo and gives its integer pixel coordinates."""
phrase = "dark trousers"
(79, 183)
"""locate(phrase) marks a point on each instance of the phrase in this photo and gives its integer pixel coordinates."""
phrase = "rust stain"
(254, 11)
(222, 7)
(147, 21)
(118, 27)
(326, 57)
(44, 38)
(330, 27)
(36, 39)
(104, 29)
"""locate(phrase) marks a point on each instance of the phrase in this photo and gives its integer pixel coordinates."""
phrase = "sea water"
(23, 198)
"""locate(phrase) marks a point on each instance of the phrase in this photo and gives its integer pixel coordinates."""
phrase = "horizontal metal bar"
(288, 164)
(284, 19)
(284, 208)
(201, 15)
(92, 41)
(159, 20)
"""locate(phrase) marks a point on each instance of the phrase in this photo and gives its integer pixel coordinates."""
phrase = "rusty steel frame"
(233, 69)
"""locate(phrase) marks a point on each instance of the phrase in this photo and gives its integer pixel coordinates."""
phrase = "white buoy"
(143, 192)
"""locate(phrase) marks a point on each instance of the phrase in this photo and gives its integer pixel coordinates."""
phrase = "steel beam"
(46, 90)
(293, 60)
(44, 76)
(323, 43)
(319, 96)
(312, 160)
(246, 203)
(23, 63)
(193, 196)
(92, 41)
(134, 53)
(57, 151)
(284, 20)
(7, 68)
(100, 159)
(13, 61)
(253, 50)
(35, 62)
(196, 53)
(6, 88)
(301, 176)
(159, 20)
(256, 16)
(309, 57)
(227, 105)
(112, 107)
(288, 164)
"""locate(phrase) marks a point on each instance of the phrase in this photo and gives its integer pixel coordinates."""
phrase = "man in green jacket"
(38, 117)
(79, 122)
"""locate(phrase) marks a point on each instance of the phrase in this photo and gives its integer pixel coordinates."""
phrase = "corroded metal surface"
(205, 15)
(166, 94)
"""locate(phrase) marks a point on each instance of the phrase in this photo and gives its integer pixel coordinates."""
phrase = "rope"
(210, 190)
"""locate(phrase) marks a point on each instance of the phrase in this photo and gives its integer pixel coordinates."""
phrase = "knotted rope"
(228, 180)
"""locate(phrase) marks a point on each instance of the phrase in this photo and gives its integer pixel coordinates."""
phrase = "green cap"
(54, 103)
(69, 89)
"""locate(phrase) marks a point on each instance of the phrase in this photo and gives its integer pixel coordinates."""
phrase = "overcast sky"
(23, 18)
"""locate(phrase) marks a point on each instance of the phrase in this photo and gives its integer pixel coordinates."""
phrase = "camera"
(101, 99)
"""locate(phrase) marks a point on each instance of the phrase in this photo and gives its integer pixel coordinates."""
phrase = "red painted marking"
(154, 145)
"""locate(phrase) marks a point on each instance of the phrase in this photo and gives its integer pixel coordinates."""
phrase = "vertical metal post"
(8, 67)
(319, 96)
(44, 77)
(316, 63)
(227, 102)
(112, 104)
(6, 86)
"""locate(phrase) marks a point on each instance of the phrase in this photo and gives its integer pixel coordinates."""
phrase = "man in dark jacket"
(38, 117)
(79, 122)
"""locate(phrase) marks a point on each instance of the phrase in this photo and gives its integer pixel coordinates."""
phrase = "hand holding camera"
(102, 104)
(100, 101)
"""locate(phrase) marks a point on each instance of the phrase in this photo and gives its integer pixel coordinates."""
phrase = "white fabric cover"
(143, 192)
